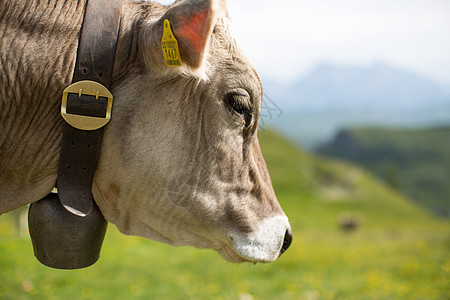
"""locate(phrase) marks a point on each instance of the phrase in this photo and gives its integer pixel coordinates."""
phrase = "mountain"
(416, 162)
(315, 107)
(380, 88)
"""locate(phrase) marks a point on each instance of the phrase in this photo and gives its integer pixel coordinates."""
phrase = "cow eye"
(239, 104)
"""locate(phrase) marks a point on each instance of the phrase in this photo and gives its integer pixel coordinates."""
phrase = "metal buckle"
(92, 88)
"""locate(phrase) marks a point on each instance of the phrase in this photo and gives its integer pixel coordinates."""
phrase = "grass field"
(399, 252)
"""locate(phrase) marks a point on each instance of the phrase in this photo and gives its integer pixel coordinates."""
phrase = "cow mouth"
(231, 255)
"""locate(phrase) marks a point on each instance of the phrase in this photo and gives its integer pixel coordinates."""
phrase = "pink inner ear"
(194, 29)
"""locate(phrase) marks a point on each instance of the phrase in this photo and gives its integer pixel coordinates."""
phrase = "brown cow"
(180, 161)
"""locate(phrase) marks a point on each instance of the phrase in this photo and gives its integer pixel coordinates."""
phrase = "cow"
(180, 162)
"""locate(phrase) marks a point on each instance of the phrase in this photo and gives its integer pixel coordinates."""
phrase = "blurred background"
(355, 129)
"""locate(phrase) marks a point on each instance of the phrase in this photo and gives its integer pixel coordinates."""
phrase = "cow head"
(180, 160)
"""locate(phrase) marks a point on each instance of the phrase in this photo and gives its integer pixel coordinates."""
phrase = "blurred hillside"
(336, 185)
(330, 98)
(414, 161)
(393, 250)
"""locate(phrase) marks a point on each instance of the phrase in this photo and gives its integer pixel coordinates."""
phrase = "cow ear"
(192, 23)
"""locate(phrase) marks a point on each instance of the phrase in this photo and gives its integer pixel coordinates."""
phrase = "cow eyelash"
(239, 103)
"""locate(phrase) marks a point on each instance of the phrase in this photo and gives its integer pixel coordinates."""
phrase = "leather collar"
(94, 62)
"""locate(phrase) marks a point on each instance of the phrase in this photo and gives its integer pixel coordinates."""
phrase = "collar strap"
(87, 104)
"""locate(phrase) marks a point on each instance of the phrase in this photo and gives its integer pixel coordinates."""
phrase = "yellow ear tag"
(170, 48)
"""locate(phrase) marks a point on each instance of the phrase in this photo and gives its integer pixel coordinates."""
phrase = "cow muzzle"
(271, 239)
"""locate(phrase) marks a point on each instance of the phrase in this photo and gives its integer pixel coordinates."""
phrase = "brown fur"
(176, 165)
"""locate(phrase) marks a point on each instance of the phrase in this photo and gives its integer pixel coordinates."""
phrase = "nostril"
(287, 241)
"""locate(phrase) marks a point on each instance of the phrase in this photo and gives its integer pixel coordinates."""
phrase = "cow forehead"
(228, 59)
(223, 40)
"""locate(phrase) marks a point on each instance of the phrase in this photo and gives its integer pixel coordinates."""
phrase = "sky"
(286, 39)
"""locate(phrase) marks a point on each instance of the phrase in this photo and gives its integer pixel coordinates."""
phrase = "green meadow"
(396, 249)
